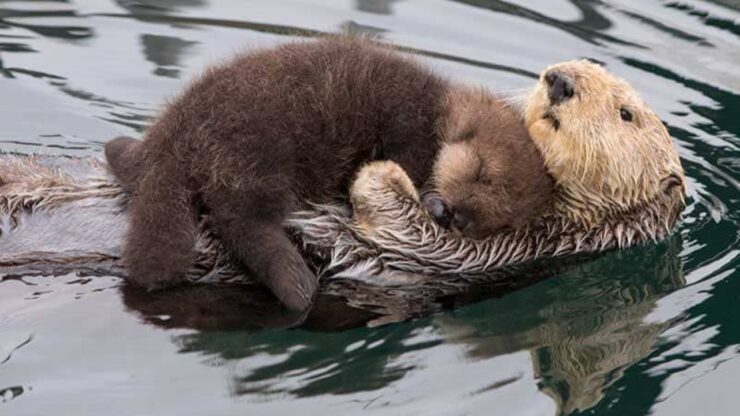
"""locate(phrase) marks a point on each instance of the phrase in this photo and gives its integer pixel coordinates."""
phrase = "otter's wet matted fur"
(391, 238)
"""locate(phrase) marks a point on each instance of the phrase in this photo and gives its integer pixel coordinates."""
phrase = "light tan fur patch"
(602, 163)
(373, 179)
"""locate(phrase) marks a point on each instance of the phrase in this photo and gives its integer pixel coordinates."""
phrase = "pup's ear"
(124, 157)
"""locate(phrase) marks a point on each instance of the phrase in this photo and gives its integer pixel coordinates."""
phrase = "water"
(648, 330)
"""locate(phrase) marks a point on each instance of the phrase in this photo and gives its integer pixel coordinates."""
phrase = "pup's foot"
(292, 282)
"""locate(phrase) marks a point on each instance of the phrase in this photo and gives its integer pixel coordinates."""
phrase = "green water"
(650, 330)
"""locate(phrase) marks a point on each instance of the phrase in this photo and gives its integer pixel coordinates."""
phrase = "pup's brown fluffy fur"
(256, 138)
(488, 169)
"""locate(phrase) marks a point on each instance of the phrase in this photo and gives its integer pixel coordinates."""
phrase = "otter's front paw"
(383, 176)
(378, 186)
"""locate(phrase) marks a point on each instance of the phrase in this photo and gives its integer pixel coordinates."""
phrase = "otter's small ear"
(670, 182)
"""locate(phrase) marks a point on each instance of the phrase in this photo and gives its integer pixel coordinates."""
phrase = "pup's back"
(313, 110)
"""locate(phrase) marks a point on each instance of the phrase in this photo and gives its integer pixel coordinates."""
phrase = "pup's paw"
(383, 176)
(378, 186)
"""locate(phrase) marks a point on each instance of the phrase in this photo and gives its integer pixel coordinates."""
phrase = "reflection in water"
(218, 311)
(587, 30)
(13, 17)
(590, 17)
(675, 32)
(159, 5)
(583, 328)
(165, 52)
(376, 6)
(236, 307)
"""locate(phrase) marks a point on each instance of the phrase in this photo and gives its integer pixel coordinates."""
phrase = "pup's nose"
(460, 221)
(560, 87)
(438, 210)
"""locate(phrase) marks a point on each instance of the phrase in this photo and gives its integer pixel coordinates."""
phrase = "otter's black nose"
(560, 87)
(438, 210)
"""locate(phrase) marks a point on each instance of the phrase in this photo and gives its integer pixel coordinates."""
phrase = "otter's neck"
(585, 209)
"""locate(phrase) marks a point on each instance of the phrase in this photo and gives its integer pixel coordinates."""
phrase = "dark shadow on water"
(709, 20)
(294, 31)
(589, 29)
(165, 52)
(590, 17)
(662, 27)
(164, 6)
(583, 328)
(16, 16)
(384, 7)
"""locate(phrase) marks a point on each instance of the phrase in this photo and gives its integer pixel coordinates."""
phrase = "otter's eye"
(625, 114)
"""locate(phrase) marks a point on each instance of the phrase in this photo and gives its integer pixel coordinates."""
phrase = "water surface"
(651, 330)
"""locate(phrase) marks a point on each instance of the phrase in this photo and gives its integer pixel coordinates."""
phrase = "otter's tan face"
(604, 146)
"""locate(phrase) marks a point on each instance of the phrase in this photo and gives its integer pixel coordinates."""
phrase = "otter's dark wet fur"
(255, 139)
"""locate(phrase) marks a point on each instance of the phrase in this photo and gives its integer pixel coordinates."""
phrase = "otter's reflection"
(583, 328)
(233, 307)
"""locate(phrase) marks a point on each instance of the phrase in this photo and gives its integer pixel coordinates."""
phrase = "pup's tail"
(159, 247)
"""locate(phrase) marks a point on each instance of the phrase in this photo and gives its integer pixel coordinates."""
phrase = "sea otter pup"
(257, 138)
